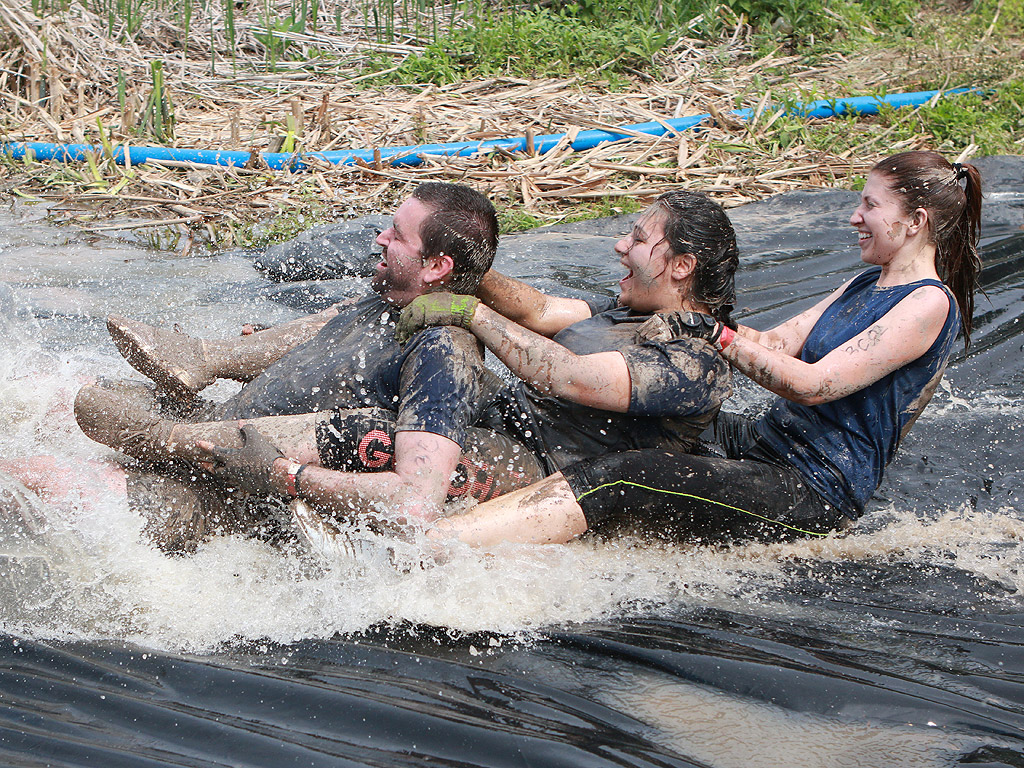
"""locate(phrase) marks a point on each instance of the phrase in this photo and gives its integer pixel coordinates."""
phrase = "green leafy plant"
(158, 114)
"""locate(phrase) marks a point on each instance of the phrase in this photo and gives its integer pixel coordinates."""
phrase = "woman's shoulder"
(929, 299)
(697, 356)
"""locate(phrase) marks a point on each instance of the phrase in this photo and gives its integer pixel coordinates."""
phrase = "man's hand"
(435, 309)
(246, 468)
(675, 325)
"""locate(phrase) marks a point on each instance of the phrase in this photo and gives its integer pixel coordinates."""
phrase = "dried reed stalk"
(59, 81)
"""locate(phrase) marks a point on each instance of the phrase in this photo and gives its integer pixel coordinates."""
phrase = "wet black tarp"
(932, 651)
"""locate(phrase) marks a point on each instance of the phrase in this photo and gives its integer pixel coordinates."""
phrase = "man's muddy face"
(397, 277)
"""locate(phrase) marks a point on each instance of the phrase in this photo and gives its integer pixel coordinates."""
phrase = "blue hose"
(413, 155)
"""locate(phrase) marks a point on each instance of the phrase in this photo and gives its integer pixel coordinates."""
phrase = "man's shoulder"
(446, 339)
(358, 308)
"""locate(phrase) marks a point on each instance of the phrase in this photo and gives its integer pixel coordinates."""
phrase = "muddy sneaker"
(175, 361)
(124, 420)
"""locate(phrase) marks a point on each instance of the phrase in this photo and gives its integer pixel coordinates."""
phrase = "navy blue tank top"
(842, 447)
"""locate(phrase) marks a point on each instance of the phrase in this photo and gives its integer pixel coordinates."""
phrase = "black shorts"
(363, 440)
(684, 498)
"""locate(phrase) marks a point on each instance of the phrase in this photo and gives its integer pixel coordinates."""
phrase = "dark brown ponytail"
(925, 179)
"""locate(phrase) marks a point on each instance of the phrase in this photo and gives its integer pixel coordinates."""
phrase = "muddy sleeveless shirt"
(842, 447)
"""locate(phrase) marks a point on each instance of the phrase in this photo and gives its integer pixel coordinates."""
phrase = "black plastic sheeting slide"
(906, 654)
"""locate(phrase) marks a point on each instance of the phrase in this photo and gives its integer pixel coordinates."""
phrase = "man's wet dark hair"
(697, 225)
(925, 179)
(463, 224)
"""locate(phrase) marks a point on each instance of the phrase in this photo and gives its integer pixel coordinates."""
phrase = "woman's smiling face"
(647, 286)
(880, 221)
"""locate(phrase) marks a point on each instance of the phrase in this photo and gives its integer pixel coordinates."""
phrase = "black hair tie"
(960, 171)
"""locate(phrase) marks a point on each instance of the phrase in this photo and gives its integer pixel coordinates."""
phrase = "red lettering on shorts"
(480, 481)
(459, 481)
(374, 449)
(482, 484)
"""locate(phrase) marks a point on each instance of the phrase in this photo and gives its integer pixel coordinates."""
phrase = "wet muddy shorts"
(363, 440)
(679, 497)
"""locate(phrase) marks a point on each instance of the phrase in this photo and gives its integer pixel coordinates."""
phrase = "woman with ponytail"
(852, 374)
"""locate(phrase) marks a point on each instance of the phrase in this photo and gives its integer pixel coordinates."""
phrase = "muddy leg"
(131, 419)
(184, 365)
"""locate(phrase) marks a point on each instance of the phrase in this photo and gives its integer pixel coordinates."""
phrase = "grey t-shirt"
(433, 383)
(676, 387)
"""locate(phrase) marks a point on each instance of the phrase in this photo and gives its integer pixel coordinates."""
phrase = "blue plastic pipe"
(413, 155)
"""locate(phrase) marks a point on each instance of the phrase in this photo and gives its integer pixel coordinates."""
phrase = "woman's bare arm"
(901, 336)
(600, 380)
(789, 337)
(525, 305)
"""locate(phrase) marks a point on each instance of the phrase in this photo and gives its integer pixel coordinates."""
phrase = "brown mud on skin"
(534, 501)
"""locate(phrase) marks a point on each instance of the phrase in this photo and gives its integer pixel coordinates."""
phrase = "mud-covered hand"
(435, 309)
(668, 326)
(246, 468)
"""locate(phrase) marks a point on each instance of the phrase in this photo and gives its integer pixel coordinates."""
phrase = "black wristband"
(298, 474)
(696, 325)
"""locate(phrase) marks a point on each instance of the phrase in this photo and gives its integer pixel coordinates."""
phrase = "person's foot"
(120, 418)
(175, 361)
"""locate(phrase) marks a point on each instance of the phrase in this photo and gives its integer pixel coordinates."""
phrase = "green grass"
(513, 218)
(533, 43)
(994, 121)
(611, 38)
(598, 39)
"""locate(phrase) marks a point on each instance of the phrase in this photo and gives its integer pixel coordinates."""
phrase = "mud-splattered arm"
(413, 492)
(525, 305)
(599, 380)
(899, 337)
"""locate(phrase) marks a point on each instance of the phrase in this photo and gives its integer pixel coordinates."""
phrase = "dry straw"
(70, 77)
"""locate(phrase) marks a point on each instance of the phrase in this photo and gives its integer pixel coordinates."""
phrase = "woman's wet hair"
(463, 224)
(951, 194)
(697, 225)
